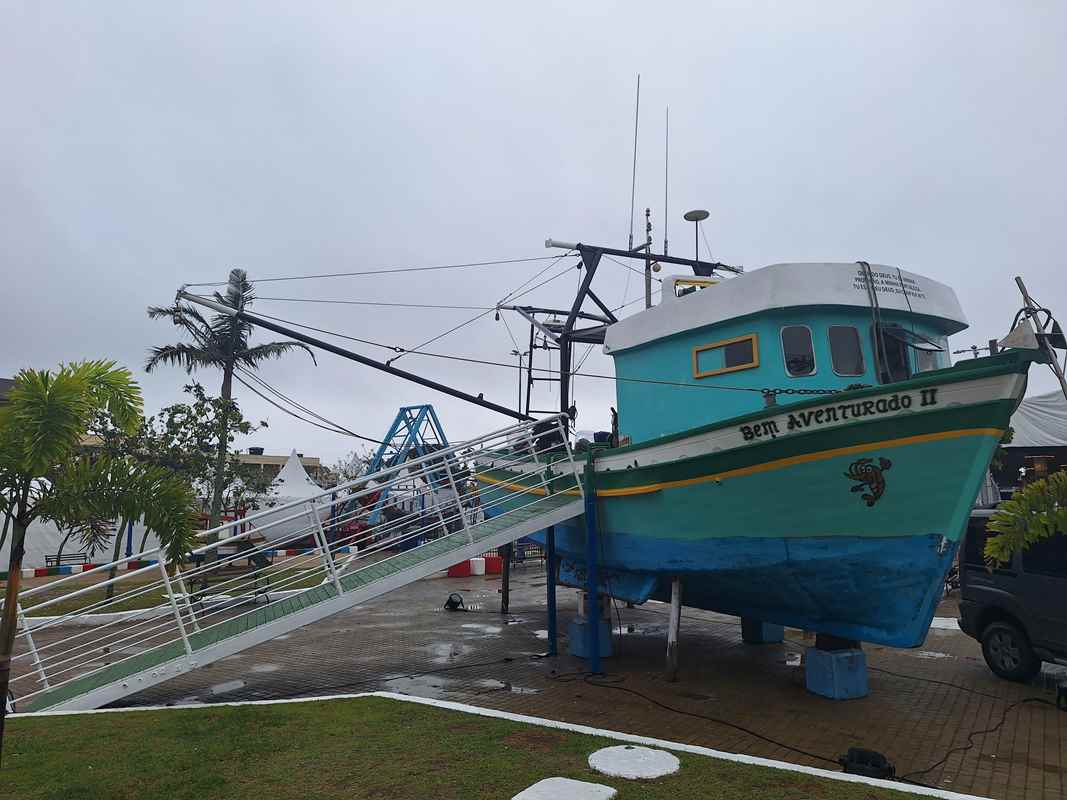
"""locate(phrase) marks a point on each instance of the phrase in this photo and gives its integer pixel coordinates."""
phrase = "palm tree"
(219, 343)
(43, 476)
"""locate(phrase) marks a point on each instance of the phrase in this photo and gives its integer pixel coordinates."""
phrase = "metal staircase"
(86, 656)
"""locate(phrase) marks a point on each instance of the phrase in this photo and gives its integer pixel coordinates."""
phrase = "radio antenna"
(633, 175)
(666, 174)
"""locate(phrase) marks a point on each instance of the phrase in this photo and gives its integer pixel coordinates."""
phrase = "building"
(272, 465)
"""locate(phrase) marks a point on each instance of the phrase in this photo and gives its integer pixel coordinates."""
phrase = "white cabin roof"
(781, 286)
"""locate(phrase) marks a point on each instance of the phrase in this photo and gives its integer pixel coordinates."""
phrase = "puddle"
(489, 630)
(261, 668)
(494, 685)
(228, 686)
(945, 623)
(932, 654)
(541, 634)
(793, 659)
(420, 685)
(446, 652)
(515, 621)
(283, 637)
(234, 657)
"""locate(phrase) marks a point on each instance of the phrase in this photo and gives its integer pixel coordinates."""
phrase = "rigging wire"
(337, 427)
(419, 347)
(502, 365)
(238, 368)
(376, 303)
(632, 269)
(385, 271)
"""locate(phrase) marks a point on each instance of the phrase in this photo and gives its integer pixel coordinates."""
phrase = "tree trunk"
(9, 621)
(3, 536)
(223, 449)
(116, 550)
(62, 544)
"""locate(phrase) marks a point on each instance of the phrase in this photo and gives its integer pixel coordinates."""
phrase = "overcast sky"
(147, 145)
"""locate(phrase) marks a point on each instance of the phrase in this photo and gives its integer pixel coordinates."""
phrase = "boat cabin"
(695, 358)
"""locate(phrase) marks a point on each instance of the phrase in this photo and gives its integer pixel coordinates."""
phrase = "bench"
(227, 571)
(66, 558)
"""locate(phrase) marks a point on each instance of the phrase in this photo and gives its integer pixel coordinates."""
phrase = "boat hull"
(846, 527)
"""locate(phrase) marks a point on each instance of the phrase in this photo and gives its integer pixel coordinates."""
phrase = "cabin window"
(845, 351)
(926, 360)
(798, 351)
(729, 355)
(891, 354)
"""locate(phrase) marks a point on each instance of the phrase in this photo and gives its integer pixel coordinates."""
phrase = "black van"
(1019, 611)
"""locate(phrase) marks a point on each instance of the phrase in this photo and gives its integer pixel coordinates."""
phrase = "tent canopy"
(1041, 421)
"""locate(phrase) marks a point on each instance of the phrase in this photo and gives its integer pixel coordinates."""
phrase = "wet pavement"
(751, 699)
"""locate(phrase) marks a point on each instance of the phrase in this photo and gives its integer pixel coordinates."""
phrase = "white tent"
(291, 485)
(1041, 421)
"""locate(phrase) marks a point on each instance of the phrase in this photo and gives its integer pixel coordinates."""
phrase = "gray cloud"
(143, 146)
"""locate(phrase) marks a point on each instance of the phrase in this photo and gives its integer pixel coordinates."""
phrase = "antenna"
(696, 216)
(633, 176)
(666, 174)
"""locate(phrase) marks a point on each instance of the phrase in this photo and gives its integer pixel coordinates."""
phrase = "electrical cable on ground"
(615, 684)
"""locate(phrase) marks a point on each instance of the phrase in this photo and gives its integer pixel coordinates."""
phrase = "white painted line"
(722, 755)
(945, 624)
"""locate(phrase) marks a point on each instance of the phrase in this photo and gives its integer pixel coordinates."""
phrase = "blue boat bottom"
(881, 590)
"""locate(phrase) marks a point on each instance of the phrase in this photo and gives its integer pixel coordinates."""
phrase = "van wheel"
(1008, 653)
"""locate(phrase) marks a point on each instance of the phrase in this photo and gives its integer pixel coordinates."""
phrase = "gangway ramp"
(87, 658)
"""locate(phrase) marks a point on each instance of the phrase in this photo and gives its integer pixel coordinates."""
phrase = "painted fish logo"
(869, 476)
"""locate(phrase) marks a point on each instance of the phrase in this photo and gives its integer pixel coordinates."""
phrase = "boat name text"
(842, 412)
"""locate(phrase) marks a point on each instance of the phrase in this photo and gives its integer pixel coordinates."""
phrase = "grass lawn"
(358, 748)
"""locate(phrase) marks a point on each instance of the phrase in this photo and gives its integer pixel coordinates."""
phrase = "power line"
(385, 271)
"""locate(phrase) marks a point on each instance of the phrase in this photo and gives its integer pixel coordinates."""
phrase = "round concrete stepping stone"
(630, 761)
(566, 789)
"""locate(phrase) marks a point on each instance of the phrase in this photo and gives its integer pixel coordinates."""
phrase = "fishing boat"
(792, 444)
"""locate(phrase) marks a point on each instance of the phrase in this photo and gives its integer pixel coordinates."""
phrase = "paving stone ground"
(730, 696)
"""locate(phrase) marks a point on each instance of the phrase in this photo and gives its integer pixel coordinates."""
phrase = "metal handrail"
(430, 482)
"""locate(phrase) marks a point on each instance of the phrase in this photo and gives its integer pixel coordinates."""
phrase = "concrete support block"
(755, 631)
(838, 674)
(578, 638)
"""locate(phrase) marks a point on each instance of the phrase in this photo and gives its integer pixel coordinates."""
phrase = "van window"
(1047, 557)
(798, 351)
(845, 351)
(974, 543)
(729, 355)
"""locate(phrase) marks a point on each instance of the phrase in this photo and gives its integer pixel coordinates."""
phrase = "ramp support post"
(674, 625)
(550, 589)
(174, 606)
(37, 665)
(592, 571)
(324, 548)
(505, 577)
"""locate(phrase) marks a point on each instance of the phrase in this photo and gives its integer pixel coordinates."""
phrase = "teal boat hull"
(846, 528)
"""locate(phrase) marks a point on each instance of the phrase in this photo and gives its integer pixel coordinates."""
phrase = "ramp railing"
(83, 624)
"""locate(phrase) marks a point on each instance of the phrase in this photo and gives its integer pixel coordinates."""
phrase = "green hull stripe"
(983, 415)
